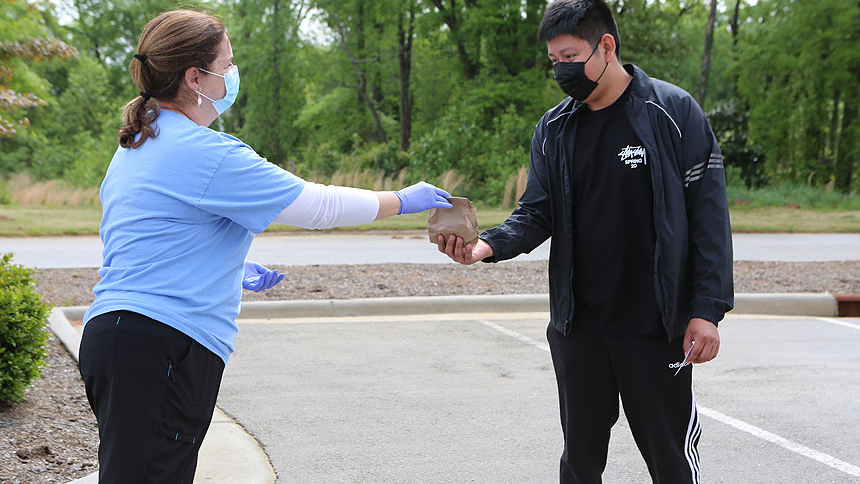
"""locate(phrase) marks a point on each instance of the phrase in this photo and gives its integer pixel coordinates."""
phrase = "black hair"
(586, 19)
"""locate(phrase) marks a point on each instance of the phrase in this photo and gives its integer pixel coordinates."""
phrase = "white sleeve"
(325, 206)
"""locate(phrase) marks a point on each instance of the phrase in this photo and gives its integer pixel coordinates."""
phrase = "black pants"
(153, 391)
(592, 371)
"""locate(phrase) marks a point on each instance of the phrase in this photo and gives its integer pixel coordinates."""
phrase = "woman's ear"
(192, 78)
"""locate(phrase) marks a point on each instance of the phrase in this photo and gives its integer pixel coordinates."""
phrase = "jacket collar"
(640, 89)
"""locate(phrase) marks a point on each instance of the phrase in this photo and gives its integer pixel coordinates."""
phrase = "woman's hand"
(257, 278)
(420, 197)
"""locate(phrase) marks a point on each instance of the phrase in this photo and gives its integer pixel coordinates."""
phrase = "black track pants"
(592, 371)
(153, 391)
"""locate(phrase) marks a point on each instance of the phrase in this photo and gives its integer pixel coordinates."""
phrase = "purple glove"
(420, 197)
(257, 278)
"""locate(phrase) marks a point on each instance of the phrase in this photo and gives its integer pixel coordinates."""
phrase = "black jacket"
(693, 255)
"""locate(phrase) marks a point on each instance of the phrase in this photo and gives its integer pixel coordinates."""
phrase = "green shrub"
(23, 330)
(485, 151)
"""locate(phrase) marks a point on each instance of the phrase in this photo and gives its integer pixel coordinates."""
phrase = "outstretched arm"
(325, 206)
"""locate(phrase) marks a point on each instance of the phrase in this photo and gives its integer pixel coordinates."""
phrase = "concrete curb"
(228, 454)
(785, 304)
(777, 304)
(61, 327)
(395, 306)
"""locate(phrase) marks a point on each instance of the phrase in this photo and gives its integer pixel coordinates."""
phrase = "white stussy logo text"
(633, 156)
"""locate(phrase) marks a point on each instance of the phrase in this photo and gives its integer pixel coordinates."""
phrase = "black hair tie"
(145, 96)
(140, 57)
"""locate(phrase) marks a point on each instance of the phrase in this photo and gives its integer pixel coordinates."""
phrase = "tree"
(362, 88)
(802, 94)
(16, 49)
(405, 36)
(109, 30)
(706, 56)
(467, 43)
(265, 50)
(662, 37)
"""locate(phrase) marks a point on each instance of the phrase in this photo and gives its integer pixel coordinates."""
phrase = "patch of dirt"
(51, 436)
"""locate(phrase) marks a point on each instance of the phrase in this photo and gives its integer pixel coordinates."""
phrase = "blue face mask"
(231, 84)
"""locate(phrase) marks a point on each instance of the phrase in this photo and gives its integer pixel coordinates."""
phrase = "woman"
(181, 206)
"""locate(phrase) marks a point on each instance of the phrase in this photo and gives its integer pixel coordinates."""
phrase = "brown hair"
(168, 46)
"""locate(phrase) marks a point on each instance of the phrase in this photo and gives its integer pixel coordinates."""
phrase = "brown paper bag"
(461, 221)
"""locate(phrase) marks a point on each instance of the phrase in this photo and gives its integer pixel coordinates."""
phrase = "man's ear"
(607, 47)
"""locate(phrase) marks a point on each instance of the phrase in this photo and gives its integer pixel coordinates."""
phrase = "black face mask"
(571, 78)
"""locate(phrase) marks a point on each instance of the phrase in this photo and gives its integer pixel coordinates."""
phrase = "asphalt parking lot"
(472, 399)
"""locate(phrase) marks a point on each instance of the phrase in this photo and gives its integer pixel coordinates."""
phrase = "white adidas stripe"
(693, 431)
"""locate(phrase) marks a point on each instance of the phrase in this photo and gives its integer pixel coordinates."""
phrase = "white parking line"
(847, 324)
(514, 334)
(813, 454)
(803, 450)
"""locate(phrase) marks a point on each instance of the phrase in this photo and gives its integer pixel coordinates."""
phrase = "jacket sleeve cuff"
(708, 316)
(493, 258)
(709, 308)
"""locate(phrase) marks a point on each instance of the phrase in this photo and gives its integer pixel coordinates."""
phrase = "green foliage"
(265, 46)
(23, 332)
(109, 30)
(487, 153)
(729, 123)
(783, 93)
(20, 45)
(799, 71)
(74, 136)
(658, 35)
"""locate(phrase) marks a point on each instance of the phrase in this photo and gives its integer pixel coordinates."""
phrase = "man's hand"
(257, 278)
(707, 339)
(465, 254)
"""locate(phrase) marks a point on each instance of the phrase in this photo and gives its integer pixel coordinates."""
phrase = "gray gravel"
(51, 436)
(73, 287)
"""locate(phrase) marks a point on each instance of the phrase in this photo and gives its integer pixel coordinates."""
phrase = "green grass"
(793, 196)
(20, 221)
(783, 219)
(45, 220)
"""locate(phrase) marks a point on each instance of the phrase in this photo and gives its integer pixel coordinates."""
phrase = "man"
(627, 178)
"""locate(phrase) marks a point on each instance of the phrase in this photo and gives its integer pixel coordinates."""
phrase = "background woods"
(391, 91)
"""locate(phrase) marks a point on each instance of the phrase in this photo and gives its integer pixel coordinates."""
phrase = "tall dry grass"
(367, 179)
(515, 186)
(23, 190)
(451, 181)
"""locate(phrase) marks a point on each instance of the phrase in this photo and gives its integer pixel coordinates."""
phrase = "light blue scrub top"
(179, 215)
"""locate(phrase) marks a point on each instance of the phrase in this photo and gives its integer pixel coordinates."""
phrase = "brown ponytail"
(168, 46)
